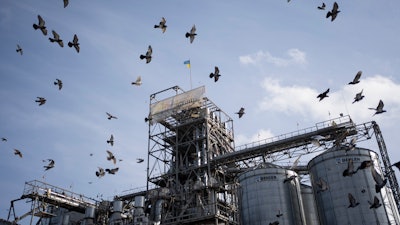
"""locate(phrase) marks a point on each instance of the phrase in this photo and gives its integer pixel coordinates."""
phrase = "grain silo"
(310, 208)
(339, 175)
(270, 193)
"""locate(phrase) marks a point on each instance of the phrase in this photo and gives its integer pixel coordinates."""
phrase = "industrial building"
(196, 175)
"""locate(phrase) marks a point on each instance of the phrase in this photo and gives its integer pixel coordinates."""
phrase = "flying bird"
(111, 140)
(350, 169)
(100, 172)
(375, 204)
(397, 165)
(40, 100)
(19, 49)
(333, 13)
(379, 108)
(147, 119)
(353, 202)
(322, 185)
(138, 81)
(18, 152)
(56, 38)
(279, 214)
(356, 79)
(323, 95)
(3, 139)
(364, 164)
(110, 116)
(191, 34)
(148, 54)
(274, 223)
(352, 144)
(216, 74)
(340, 137)
(296, 162)
(240, 112)
(139, 160)
(40, 25)
(289, 179)
(112, 171)
(59, 83)
(111, 157)
(66, 3)
(322, 7)
(358, 97)
(74, 43)
(379, 181)
(162, 25)
(50, 165)
(316, 140)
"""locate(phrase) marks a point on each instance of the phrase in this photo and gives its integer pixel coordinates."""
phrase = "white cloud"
(295, 57)
(302, 100)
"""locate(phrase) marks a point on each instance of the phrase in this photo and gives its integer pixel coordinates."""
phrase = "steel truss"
(179, 172)
(192, 158)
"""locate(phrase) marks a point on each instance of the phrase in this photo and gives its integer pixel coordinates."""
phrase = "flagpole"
(190, 73)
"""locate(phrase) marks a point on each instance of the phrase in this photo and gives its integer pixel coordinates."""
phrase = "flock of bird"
(215, 75)
(332, 13)
(191, 35)
(380, 182)
(323, 186)
(56, 37)
(18, 153)
(41, 25)
(359, 96)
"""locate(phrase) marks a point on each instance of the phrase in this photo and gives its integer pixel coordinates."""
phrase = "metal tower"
(186, 132)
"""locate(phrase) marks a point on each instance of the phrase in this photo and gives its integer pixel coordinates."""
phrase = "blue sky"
(275, 57)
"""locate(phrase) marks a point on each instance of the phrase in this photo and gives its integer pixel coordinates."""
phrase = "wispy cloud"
(295, 57)
(302, 100)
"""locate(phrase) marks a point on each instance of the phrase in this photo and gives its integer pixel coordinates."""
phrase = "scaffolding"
(184, 137)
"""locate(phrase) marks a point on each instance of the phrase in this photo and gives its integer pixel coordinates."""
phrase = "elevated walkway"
(37, 190)
(335, 130)
(42, 194)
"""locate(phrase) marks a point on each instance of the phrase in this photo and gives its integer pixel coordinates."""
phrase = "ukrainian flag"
(187, 63)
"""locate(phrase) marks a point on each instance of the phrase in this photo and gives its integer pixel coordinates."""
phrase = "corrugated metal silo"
(266, 195)
(335, 183)
(310, 208)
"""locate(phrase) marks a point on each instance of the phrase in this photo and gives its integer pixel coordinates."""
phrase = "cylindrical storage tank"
(337, 175)
(117, 206)
(309, 206)
(89, 216)
(139, 202)
(268, 194)
(158, 210)
(89, 212)
(65, 220)
(116, 216)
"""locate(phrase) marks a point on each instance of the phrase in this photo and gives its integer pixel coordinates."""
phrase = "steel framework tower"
(186, 132)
